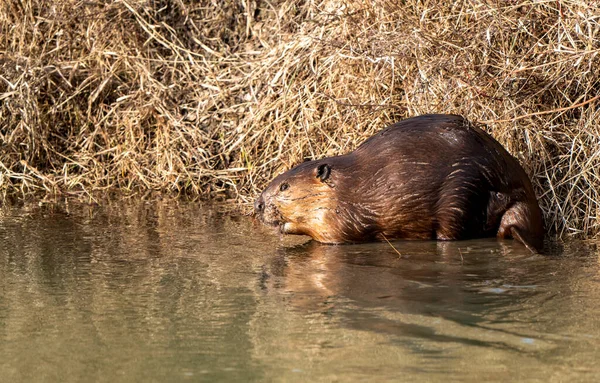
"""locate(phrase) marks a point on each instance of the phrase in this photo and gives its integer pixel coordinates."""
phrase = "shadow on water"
(473, 284)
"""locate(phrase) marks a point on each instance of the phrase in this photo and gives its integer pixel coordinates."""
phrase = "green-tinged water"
(176, 292)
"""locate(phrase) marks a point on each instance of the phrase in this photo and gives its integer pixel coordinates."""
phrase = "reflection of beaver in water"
(428, 177)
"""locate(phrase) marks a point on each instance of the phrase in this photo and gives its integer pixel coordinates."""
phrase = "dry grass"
(214, 97)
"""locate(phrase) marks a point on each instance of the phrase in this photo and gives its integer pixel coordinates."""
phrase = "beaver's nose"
(259, 205)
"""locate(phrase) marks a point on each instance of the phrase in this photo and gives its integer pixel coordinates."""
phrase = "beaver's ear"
(323, 172)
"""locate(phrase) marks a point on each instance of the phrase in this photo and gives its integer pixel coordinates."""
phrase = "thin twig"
(392, 246)
(543, 112)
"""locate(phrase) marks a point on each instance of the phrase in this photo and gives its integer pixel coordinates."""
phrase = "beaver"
(428, 177)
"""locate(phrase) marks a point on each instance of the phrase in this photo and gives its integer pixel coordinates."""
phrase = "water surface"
(173, 291)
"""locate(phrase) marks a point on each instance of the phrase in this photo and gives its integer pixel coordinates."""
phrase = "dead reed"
(212, 98)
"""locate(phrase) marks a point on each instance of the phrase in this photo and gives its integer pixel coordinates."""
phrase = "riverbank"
(208, 100)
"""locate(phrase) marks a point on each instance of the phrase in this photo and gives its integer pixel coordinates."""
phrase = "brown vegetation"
(215, 97)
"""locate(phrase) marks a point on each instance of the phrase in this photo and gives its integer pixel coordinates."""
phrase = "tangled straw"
(213, 98)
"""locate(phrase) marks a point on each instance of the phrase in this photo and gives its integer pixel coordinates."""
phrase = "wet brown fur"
(428, 177)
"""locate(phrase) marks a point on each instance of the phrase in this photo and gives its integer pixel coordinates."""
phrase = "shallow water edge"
(177, 291)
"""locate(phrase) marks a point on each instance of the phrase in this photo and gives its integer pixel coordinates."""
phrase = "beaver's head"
(301, 201)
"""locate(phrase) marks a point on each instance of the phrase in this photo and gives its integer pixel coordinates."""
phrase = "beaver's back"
(441, 144)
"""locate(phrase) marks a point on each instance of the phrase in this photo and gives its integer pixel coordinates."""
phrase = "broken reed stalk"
(215, 98)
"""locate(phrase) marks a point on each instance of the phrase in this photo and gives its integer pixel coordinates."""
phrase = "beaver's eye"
(284, 187)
